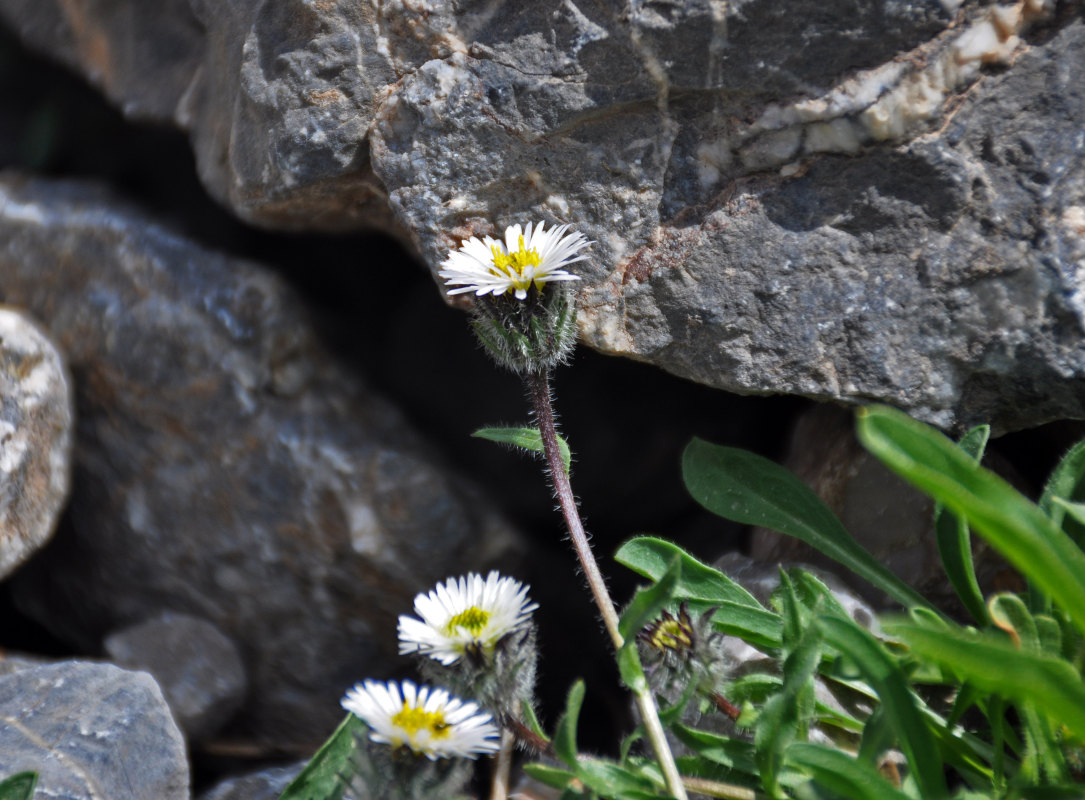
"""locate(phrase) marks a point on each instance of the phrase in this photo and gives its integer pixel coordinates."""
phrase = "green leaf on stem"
(565, 735)
(526, 438)
(532, 722)
(19, 786)
(1067, 483)
(652, 557)
(737, 613)
(747, 488)
(552, 776)
(322, 777)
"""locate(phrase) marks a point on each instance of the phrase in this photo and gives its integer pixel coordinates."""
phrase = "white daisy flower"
(466, 613)
(429, 721)
(530, 256)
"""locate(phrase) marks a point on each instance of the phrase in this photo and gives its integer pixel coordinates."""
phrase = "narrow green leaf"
(1018, 529)
(526, 438)
(840, 773)
(19, 786)
(953, 539)
(1044, 745)
(744, 487)
(320, 780)
(1075, 511)
(900, 704)
(996, 666)
(756, 626)
(532, 721)
(786, 716)
(565, 736)
(1066, 482)
(630, 668)
(552, 776)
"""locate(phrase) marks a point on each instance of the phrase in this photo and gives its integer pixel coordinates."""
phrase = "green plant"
(19, 786)
(926, 708)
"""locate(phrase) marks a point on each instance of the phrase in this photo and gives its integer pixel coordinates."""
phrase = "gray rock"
(890, 519)
(876, 201)
(36, 420)
(267, 784)
(197, 667)
(91, 732)
(225, 467)
(276, 96)
(929, 257)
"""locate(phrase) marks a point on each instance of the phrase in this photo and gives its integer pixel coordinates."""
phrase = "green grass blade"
(995, 665)
(744, 487)
(953, 539)
(899, 702)
(840, 773)
(1016, 527)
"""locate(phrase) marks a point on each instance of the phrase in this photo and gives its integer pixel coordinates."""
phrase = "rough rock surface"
(267, 784)
(874, 201)
(197, 667)
(36, 419)
(224, 466)
(91, 732)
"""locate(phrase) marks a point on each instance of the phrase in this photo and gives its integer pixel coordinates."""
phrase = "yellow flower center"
(473, 620)
(670, 634)
(512, 265)
(413, 719)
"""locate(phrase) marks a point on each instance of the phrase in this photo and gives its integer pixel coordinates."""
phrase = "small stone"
(91, 732)
(35, 437)
(197, 666)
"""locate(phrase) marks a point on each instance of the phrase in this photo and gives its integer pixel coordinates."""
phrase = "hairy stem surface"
(539, 388)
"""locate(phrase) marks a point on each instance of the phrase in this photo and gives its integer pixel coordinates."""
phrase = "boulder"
(225, 466)
(36, 422)
(91, 732)
(196, 665)
(882, 201)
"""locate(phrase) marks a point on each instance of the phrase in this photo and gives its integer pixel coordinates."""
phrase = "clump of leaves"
(994, 709)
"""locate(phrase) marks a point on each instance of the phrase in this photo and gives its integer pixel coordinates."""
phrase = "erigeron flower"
(532, 256)
(466, 614)
(429, 721)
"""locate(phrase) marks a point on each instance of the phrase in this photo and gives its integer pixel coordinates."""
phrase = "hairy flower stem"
(538, 384)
